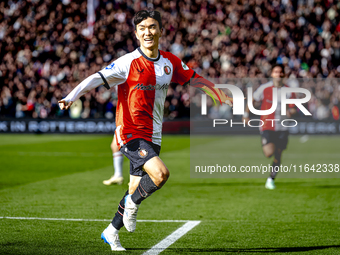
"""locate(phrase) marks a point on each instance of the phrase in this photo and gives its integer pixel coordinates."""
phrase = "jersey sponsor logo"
(110, 66)
(185, 67)
(142, 153)
(167, 70)
(152, 87)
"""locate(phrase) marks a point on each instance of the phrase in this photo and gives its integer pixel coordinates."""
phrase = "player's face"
(148, 34)
(278, 75)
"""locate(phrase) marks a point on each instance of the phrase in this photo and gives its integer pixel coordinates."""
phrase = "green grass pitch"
(60, 176)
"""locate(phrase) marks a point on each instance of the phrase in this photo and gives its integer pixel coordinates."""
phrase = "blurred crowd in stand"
(46, 49)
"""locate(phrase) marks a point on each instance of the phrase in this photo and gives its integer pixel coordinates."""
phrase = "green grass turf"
(61, 177)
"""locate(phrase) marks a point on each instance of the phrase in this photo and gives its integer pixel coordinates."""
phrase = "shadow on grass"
(328, 187)
(263, 250)
(246, 250)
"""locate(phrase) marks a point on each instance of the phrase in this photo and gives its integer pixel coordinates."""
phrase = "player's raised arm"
(91, 82)
(210, 89)
(184, 75)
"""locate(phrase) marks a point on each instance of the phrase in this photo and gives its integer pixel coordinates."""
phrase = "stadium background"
(47, 48)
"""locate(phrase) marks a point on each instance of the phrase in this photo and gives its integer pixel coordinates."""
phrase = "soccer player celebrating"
(142, 78)
(274, 137)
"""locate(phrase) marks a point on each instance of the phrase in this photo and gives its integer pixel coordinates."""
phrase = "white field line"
(169, 240)
(64, 219)
(155, 250)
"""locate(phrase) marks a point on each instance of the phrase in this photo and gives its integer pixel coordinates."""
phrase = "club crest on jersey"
(185, 67)
(167, 70)
(142, 153)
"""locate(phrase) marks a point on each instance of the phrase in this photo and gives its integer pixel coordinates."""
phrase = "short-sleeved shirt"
(143, 85)
(264, 93)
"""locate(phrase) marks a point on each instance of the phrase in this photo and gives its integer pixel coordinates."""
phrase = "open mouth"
(148, 40)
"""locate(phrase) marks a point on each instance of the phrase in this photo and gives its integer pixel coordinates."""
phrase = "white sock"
(118, 164)
(112, 229)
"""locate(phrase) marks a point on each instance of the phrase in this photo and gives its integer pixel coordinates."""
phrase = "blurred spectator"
(44, 48)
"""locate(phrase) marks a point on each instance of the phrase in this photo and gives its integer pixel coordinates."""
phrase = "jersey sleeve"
(182, 73)
(91, 82)
(116, 73)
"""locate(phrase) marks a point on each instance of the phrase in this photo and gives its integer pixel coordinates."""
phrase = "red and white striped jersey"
(143, 85)
(264, 93)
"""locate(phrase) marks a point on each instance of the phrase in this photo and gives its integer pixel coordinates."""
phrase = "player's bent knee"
(268, 150)
(157, 171)
(165, 175)
(268, 154)
(161, 177)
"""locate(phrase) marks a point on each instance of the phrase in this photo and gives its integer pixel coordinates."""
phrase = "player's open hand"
(64, 105)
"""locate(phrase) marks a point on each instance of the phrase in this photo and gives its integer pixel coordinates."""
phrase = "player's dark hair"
(279, 65)
(144, 14)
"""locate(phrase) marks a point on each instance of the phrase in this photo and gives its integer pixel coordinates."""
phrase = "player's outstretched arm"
(184, 75)
(224, 97)
(91, 82)
(217, 94)
(210, 89)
